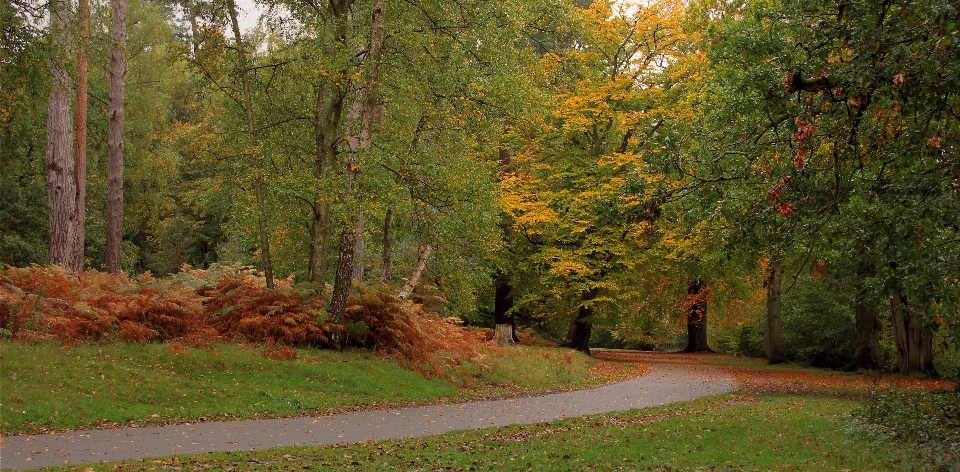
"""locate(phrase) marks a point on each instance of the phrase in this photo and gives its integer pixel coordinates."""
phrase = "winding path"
(664, 384)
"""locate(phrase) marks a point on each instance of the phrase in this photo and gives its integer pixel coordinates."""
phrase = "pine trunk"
(776, 354)
(696, 317)
(115, 113)
(83, 17)
(60, 159)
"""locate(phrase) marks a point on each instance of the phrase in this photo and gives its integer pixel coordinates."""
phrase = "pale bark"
(348, 239)
(254, 145)
(83, 18)
(776, 354)
(115, 113)
(502, 305)
(503, 335)
(418, 269)
(60, 158)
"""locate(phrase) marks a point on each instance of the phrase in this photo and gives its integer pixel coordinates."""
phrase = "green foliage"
(818, 323)
(24, 83)
(926, 424)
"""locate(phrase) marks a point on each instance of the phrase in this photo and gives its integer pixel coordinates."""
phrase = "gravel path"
(665, 384)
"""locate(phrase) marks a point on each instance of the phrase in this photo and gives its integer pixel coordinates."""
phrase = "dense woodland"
(600, 173)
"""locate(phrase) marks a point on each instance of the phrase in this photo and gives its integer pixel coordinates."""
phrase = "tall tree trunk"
(359, 248)
(502, 304)
(867, 319)
(60, 159)
(319, 240)
(328, 114)
(83, 18)
(348, 239)
(387, 246)
(697, 317)
(578, 336)
(254, 145)
(505, 323)
(776, 354)
(914, 341)
(118, 72)
(416, 273)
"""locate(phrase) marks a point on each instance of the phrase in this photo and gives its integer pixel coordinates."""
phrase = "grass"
(46, 388)
(725, 432)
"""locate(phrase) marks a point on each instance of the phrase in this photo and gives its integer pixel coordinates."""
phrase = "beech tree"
(584, 196)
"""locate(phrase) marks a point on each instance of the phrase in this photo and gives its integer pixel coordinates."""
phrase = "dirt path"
(665, 384)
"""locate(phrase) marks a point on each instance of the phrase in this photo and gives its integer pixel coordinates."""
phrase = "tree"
(855, 96)
(115, 113)
(83, 18)
(61, 159)
(24, 69)
(584, 196)
(244, 71)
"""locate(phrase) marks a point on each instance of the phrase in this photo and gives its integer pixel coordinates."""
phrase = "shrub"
(927, 423)
(197, 307)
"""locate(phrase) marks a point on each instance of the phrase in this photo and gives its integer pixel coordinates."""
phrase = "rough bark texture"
(338, 300)
(867, 351)
(83, 18)
(387, 246)
(348, 240)
(697, 317)
(914, 341)
(776, 354)
(359, 248)
(502, 304)
(578, 336)
(417, 272)
(60, 159)
(254, 143)
(118, 72)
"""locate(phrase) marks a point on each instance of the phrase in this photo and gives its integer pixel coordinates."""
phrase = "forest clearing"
(483, 200)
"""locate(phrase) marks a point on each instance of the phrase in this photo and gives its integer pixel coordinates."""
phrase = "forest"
(598, 174)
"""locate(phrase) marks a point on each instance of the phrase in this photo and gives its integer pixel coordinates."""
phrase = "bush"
(926, 423)
(197, 307)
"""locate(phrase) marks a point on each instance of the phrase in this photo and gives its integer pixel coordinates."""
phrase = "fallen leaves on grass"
(753, 376)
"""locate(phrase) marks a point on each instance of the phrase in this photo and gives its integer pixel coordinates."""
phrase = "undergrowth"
(198, 307)
(926, 422)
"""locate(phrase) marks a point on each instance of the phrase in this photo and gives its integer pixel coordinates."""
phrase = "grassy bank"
(728, 432)
(47, 388)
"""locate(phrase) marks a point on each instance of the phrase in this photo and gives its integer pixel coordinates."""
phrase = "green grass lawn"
(725, 432)
(47, 388)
